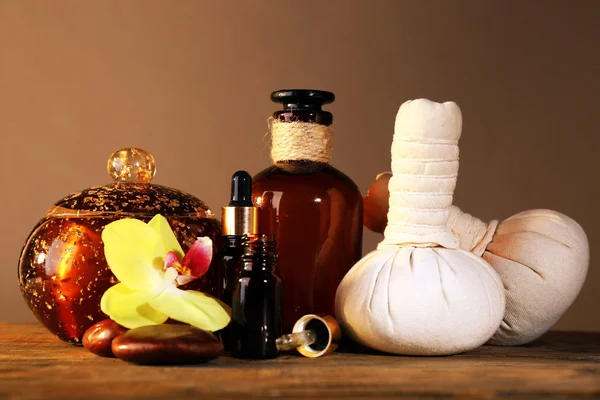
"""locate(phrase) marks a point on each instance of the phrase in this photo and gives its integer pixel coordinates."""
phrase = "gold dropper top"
(238, 221)
(314, 335)
(240, 217)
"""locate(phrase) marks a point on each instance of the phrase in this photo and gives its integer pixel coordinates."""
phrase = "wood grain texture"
(36, 365)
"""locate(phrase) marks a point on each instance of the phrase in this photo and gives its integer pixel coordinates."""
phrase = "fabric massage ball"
(418, 293)
(542, 257)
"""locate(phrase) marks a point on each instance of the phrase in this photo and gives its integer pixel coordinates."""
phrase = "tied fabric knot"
(295, 141)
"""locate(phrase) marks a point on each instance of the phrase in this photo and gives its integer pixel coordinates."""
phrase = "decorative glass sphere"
(131, 165)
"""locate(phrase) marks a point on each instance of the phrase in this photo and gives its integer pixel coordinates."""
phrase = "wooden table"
(35, 365)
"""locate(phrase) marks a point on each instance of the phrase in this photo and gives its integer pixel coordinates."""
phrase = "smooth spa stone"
(98, 338)
(167, 344)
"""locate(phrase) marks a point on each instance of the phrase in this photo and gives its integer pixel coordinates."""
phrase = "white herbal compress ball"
(542, 258)
(418, 293)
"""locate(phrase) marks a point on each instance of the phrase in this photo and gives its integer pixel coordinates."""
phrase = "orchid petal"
(130, 308)
(194, 308)
(167, 241)
(130, 251)
(199, 256)
(172, 260)
(184, 279)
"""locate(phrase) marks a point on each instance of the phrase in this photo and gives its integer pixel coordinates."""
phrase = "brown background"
(189, 81)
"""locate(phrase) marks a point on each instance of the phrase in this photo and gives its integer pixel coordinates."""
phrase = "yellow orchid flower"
(145, 258)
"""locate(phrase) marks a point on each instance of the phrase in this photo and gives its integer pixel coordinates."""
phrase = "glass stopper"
(131, 165)
(296, 339)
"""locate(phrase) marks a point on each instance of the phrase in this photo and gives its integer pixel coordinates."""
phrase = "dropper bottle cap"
(314, 335)
(240, 217)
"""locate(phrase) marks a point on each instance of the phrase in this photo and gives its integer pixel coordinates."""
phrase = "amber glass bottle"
(318, 208)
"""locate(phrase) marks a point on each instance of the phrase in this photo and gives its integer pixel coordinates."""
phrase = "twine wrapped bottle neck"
(300, 141)
(301, 131)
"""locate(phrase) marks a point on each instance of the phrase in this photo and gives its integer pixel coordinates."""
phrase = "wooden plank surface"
(36, 365)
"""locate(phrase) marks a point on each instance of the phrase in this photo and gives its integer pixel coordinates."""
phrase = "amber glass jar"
(318, 209)
(62, 269)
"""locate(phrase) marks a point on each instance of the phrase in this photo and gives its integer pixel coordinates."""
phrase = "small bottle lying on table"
(314, 335)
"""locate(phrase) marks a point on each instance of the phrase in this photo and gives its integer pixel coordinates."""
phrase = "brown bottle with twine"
(318, 209)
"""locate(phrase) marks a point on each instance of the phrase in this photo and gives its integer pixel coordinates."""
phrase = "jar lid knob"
(131, 165)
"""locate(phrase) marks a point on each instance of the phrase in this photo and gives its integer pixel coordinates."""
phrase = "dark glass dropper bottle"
(257, 301)
(238, 218)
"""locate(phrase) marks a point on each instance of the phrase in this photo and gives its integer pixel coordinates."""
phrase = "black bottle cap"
(302, 97)
(241, 190)
(303, 105)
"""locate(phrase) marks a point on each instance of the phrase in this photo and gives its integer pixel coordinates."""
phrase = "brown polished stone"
(98, 338)
(167, 344)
